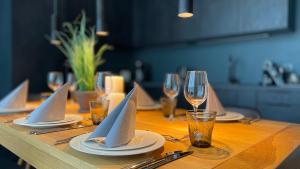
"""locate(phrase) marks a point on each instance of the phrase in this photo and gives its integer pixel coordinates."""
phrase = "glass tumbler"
(201, 124)
(98, 110)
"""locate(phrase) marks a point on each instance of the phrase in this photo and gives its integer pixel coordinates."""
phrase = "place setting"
(15, 101)
(116, 135)
(51, 112)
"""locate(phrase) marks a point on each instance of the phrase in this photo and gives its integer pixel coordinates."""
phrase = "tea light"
(114, 99)
(114, 84)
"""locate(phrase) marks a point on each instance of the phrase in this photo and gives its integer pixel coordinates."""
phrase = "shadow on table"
(292, 161)
(217, 151)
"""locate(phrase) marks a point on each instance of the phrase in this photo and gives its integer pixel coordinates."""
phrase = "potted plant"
(77, 44)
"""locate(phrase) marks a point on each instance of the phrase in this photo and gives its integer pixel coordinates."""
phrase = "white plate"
(75, 143)
(19, 110)
(142, 139)
(230, 116)
(75, 119)
(151, 107)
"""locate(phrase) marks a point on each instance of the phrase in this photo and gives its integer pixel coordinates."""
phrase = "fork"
(174, 139)
(66, 140)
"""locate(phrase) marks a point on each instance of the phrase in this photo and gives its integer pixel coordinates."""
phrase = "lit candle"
(114, 100)
(114, 84)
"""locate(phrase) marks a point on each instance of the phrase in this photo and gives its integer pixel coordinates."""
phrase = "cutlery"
(139, 164)
(51, 130)
(248, 120)
(66, 140)
(169, 157)
(174, 139)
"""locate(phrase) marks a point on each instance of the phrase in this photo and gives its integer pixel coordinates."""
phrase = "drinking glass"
(196, 88)
(98, 110)
(171, 89)
(55, 80)
(201, 124)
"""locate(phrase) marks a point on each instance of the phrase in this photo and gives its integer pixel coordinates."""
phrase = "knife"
(169, 157)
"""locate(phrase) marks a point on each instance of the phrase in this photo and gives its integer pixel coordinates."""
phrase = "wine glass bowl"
(55, 80)
(196, 88)
(71, 79)
(100, 84)
(171, 85)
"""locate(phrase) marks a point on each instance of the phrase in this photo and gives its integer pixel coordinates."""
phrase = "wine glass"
(171, 89)
(71, 79)
(196, 88)
(101, 83)
(55, 80)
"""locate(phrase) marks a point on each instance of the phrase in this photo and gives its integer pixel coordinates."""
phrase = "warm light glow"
(102, 33)
(185, 15)
(55, 42)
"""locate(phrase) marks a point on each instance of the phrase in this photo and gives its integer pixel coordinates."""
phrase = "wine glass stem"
(195, 108)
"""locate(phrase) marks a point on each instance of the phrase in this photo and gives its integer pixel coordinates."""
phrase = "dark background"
(150, 31)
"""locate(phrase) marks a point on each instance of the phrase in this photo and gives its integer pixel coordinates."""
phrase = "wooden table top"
(263, 144)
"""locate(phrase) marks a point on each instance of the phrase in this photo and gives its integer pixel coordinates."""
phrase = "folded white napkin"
(17, 98)
(118, 127)
(52, 109)
(213, 103)
(143, 98)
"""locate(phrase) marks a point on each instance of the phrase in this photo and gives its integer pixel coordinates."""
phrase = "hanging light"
(185, 9)
(101, 26)
(54, 22)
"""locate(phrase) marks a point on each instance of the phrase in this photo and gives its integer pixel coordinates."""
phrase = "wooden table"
(263, 144)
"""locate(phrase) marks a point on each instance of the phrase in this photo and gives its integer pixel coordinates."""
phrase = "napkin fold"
(52, 109)
(143, 98)
(16, 98)
(213, 103)
(118, 127)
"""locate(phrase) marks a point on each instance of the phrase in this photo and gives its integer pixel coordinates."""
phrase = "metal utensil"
(248, 120)
(174, 139)
(51, 130)
(139, 164)
(169, 157)
(66, 140)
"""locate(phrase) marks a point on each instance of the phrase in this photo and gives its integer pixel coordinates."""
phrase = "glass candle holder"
(201, 124)
(98, 110)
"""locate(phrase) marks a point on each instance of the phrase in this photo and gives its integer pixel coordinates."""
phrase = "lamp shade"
(185, 8)
(101, 22)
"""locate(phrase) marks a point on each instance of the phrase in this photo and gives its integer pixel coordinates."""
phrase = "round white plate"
(19, 110)
(230, 116)
(142, 139)
(75, 119)
(151, 107)
(75, 143)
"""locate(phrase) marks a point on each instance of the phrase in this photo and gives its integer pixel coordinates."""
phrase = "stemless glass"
(196, 88)
(55, 80)
(171, 89)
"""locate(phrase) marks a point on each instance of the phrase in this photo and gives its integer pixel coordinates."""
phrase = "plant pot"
(83, 99)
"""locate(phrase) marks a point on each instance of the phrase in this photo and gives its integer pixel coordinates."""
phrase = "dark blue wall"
(5, 45)
(283, 48)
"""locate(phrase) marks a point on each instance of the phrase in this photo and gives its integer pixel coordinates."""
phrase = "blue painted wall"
(282, 48)
(5, 46)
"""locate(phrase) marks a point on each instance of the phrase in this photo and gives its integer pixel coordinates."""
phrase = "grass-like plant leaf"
(77, 44)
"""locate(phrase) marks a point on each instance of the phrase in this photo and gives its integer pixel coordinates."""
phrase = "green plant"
(77, 44)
